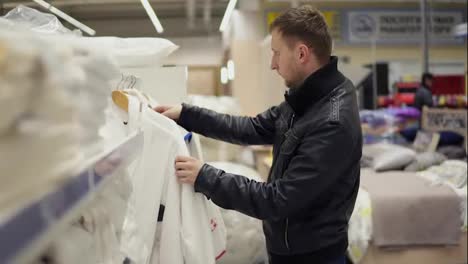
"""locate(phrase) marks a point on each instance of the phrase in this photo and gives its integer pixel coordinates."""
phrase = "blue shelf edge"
(33, 222)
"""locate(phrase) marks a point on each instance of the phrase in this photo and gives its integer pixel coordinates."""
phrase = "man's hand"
(187, 169)
(172, 112)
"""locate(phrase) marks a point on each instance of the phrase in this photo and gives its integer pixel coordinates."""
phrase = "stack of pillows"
(387, 156)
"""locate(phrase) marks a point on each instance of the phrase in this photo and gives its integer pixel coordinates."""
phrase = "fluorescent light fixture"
(224, 75)
(227, 15)
(231, 70)
(460, 30)
(152, 16)
(66, 17)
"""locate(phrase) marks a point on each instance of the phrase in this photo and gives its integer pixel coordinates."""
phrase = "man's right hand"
(172, 112)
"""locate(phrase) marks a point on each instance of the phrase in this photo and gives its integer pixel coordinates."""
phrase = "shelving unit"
(27, 232)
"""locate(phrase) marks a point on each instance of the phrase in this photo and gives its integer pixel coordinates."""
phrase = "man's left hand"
(187, 169)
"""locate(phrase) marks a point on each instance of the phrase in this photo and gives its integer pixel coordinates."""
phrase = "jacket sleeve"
(257, 130)
(307, 177)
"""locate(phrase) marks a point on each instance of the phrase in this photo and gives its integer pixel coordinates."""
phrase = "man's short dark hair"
(426, 76)
(306, 24)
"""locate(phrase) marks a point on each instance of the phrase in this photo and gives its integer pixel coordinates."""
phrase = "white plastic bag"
(216, 150)
(35, 20)
(245, 239)
(450, 172)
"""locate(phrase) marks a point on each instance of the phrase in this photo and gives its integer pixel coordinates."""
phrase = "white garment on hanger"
(148, 180)
(213, 213)
(188, 213)
(192, 230)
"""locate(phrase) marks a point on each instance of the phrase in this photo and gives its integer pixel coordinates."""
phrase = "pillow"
(453, 152)
(389, 156)
(455, 172)
(133, 52)
(448, 138)
(237, 168)
(409, 133)
(366, 162)
(450, 172)
(425, 160)
(216, 150)
(370, 151)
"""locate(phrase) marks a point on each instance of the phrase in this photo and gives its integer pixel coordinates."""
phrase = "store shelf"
(27, 232)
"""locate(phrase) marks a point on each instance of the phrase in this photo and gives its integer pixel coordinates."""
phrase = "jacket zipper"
(287, 219)
(292, 121)
(286, 234)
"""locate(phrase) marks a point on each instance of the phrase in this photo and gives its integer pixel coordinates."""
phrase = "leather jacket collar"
(315, 87)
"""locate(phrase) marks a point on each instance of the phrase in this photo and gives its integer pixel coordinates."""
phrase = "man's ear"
(303, 53)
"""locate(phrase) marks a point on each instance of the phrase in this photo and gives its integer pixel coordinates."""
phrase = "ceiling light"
(230, 70)
(460, 30)
(227, 15)
(224, 75)
(66, 17)
(152, 16)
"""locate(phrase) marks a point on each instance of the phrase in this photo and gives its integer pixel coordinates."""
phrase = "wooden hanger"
(120, 98)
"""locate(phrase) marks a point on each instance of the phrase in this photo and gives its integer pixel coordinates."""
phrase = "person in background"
(423, 96)
(311, 190)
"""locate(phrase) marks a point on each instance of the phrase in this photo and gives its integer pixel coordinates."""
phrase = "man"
(423, 96)
(312, 186)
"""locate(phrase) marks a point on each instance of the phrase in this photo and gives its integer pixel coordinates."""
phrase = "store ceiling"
(180, 18)
(128, 18)
(118, 8)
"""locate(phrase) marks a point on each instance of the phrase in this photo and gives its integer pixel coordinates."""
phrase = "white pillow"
(425, 160)
(216, 150)
(389, 156)
(133, 52)
(370, 151)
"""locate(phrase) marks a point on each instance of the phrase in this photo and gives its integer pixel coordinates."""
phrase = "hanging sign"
(401, 26)
(445, 120)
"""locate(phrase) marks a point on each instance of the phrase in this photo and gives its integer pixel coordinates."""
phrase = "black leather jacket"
(316, 135)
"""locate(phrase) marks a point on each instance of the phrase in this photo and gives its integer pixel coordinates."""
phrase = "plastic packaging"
(35, 114)
(133, 52)
(215, 150)
(245, 239)
(450, 172)
(37, 21)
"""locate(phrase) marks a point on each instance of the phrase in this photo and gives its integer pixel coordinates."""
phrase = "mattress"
(360, 225)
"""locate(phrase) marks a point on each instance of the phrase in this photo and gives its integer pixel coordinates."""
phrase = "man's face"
(429, 83)
(284, 60)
